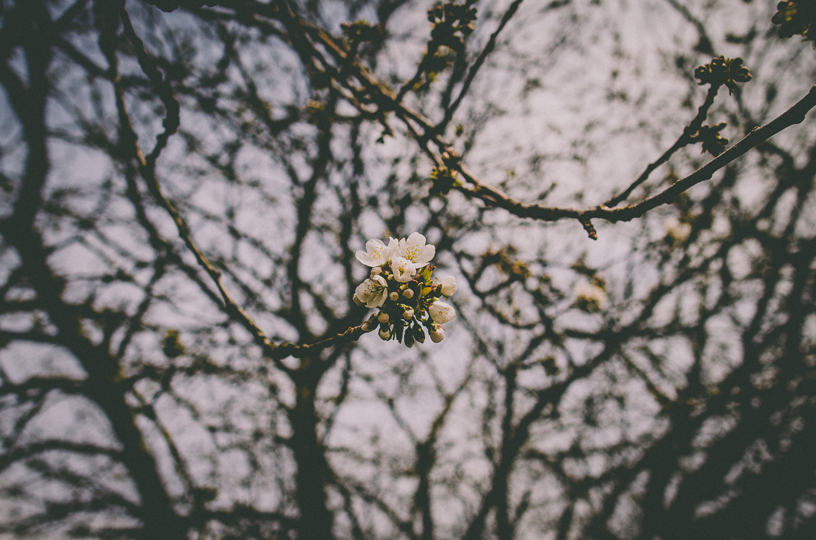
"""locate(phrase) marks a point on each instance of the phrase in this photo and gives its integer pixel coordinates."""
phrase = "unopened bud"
(448, 287)
(437, 333)
(382, 317)
(385, 333)
(408, 314)
(408, 293)
(394, 296)
(419, 334)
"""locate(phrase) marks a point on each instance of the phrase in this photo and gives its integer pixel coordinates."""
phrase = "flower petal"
(371, 292)
(415, 250)
(428, 253)
(403, 269)
(377, 301)
(390, 249)
(441, 312)
(377, 253)
(366, 259)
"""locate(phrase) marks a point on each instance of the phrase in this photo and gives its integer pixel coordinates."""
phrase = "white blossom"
(371, 292)
(415, 250)
(441, 312)
(377, 253)
(677, 230)
(449, 286)
(403, 269)
(590, 297)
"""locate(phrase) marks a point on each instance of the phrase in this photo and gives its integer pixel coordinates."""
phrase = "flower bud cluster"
(710, 137)
(452, 23)
(796, 18)
(402, 286)
(444, 176)
(722, 70)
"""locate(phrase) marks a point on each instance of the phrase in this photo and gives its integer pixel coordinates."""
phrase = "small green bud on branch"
(722, 70)
(711, 140)
(796, 18)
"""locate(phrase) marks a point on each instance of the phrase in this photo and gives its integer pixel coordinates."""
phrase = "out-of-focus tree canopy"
(623, 193)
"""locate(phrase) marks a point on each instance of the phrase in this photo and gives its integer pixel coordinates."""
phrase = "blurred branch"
(146, 166)
(477, 64)
(28, 450)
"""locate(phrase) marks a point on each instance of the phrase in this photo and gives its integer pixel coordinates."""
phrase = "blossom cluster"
(591, 296)
(402, 286)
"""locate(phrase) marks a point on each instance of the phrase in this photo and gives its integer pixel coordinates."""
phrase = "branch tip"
(589, 228)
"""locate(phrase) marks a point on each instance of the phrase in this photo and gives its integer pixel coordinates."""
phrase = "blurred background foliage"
(183, 187)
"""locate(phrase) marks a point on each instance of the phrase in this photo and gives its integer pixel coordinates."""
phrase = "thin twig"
(474, 69)
(683, 140)
(493, 197)
(147, 170)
